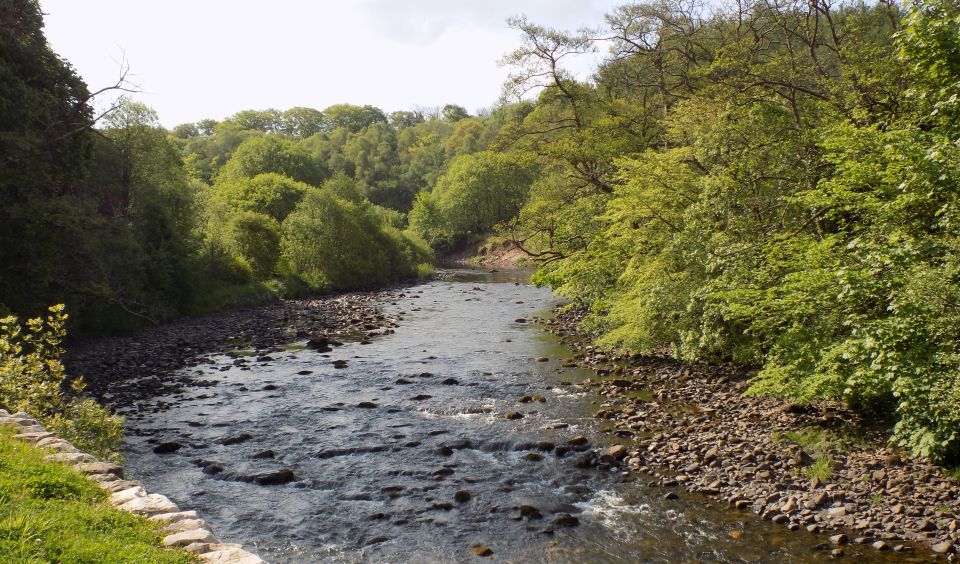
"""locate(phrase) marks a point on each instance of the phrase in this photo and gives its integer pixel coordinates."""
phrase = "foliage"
(722, 195)
(476, 193)
(49, 513)
(269, 193)
(336, 244)
(32, 379)
(259, 155)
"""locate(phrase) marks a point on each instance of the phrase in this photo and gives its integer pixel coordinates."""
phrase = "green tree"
(259, 155)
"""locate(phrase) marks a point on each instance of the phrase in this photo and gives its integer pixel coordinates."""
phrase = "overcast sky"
(211, 58)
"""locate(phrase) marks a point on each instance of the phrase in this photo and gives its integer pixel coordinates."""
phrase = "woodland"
(772, 184)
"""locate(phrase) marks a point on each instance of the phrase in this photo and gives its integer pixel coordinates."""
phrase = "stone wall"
(182, 529)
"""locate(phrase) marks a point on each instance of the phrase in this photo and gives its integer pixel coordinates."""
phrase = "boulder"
(614, 453)
(173, 517)
(186, 525)
(185, 538)
(275, 478)
(33, 438)
(99, 468)
(123, 496)
(229, 555)
(70, 458)
(151, 504)
(57, 444)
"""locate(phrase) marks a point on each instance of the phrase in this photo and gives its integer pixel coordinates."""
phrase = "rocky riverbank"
(816, 468)
(121, 370)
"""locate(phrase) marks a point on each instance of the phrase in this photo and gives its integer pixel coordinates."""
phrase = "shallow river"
(377, 483)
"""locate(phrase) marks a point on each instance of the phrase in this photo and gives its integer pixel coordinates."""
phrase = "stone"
(880, 545)
(275, 478)
(189, 537)
(57, 444)
(837, 511)
(70, 457)
(480, 550)
(173, 517)
(530, 512)
(167, 448)
(514, 415)
(564, 520)
(367, 405)
(99, 468)
(942, 548)
(150, 505)
(579, 440)
(235, 440)
(616, 452)
(186, 525)
(230, 555)
(461, 496)
(117, 485)
(839, 539)
(32, 438)
(126, 495)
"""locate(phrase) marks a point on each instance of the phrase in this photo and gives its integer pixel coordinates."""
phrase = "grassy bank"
(50, 513)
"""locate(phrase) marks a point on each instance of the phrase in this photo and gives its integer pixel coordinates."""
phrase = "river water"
(380, 482)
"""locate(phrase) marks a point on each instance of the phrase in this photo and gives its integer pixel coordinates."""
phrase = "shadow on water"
(406, 454)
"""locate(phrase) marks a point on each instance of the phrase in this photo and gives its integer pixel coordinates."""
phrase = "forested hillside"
(772, 184)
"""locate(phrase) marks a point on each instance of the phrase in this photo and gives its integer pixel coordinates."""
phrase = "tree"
(352, 118)
(269, 193)
(45, 118)
(264, 154)
(302, 122)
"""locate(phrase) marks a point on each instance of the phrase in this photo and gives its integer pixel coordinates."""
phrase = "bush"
(335, 244)
(32, 379)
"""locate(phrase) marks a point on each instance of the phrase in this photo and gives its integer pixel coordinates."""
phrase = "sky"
(197, 59)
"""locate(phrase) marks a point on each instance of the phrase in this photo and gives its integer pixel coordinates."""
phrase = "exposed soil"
(503, 254)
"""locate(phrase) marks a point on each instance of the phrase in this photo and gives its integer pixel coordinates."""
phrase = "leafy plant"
(32, 379)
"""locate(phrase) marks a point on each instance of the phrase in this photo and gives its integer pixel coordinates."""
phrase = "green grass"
(822, 469)
(49, 513)
(953, 473)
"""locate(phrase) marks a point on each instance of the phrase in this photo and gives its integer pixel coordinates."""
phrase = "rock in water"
(481, 550)
(167, 448)
(275, 478)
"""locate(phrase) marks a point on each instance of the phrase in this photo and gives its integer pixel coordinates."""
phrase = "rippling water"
(378, 483)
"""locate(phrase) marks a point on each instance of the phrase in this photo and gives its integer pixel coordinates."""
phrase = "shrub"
(32, 379)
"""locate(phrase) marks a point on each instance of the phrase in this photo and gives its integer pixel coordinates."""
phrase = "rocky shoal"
(120, 371)
(690, 426)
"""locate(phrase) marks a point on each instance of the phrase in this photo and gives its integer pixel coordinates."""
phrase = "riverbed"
(427, 442)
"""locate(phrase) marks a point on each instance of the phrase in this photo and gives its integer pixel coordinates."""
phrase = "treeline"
(774, 184)
(131, 224)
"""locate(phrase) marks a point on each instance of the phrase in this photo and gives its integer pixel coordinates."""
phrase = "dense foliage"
(774, 185)
(32, 380)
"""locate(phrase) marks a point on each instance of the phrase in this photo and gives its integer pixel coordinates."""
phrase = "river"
(404, 452)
